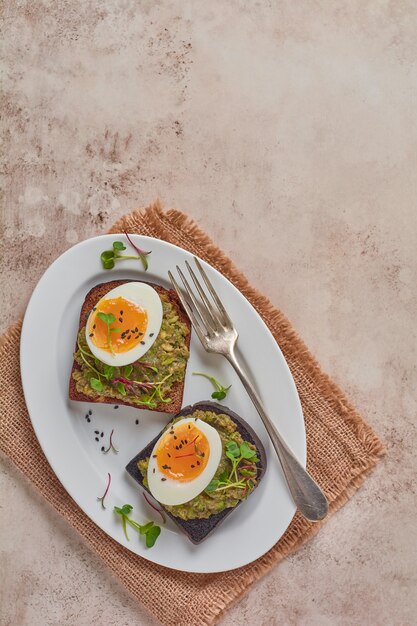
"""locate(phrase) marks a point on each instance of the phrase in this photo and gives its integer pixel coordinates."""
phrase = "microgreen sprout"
(108, 319)
(147, 399)
(141, 253)
(243, 471)
(105, 493)
(111, 445)
(220, 392)
(150, 530)
(160, 511)
(109, 257)
(147, 393)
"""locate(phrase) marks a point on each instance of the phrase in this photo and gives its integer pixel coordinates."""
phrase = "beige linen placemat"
(342, 449)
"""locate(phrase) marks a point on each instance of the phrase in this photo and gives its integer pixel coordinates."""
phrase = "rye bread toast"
(93, 296)
(199, 529)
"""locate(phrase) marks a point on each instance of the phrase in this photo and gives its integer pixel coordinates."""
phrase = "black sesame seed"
(154, 456)
(91, 335)
(90, 412)
(166, 467)
(96, 432)
(203, 454)
(193, 466)
(102, 448)
(180, 446)
(140, 333)
(143, 343)
(182, 441)
(176, 447)
(151, 334)
(120, 319)
(198, 462)
(101, 434)
(153, 471)
(88, 420)
(175, 436)
(116, 406)
(97, 439)
(137, 422)
(128, 337)
(163, 479)
(169, 454)
(186, 441)
(94, 326)
(136, 330)
(189, 425)
(121, 312)
(94, 308)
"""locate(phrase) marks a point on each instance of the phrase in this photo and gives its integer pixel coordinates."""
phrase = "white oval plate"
(68, 439)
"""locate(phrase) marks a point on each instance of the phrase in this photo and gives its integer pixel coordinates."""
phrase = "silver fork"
(216, 332)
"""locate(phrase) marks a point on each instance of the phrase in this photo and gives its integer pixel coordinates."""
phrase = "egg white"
(147, 298)
(173, 492)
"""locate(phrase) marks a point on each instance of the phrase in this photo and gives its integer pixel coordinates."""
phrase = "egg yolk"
(183, 452)
(126, 331)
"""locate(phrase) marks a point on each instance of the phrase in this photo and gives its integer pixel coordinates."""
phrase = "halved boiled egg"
(183, 461)
(124, 324)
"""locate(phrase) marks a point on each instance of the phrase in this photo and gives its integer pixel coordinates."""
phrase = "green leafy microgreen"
(121, 388)
(127, 370)
(144, 529)
(109, 257)
(147, 393)
(109, 371)
(246, 452)
(150, 530)
(233, 448)
(96, 384)
(212, 486)
(243, 471)
(220, 392)
(108, 319)
(152, 535)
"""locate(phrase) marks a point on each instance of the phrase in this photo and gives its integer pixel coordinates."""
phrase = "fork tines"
(211, 320)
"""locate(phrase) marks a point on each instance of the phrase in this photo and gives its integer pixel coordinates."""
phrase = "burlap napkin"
(342, 449)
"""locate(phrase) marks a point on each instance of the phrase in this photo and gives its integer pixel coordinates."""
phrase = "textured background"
(288, 130)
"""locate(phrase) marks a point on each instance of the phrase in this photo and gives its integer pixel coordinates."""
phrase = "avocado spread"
(163, 365)
(229, 491)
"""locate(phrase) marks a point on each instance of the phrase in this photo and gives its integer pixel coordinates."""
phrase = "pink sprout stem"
(105, 493)
(161, 513)
(138, 250)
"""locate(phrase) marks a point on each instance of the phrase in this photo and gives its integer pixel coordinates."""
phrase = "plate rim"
(24, 333)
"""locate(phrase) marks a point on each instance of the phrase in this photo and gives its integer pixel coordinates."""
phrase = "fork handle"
(307, 495)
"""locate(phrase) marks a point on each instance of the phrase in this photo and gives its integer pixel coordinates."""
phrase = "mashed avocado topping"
(146, 382)
(234, 479)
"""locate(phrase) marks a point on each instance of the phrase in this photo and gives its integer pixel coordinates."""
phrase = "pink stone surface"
(289, 131)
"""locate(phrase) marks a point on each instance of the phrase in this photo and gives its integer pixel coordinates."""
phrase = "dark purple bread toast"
(198, 529)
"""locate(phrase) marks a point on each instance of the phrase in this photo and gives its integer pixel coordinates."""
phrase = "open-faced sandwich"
(132, 347)
(205, 463)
